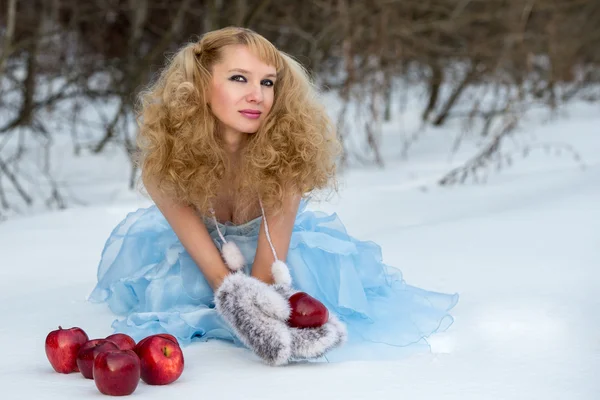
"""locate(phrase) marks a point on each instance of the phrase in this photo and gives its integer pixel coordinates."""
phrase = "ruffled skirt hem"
(146, 277)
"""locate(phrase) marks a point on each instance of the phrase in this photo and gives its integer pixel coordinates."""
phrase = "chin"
(249, 129)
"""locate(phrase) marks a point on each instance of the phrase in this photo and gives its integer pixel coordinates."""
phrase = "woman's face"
(242, 90)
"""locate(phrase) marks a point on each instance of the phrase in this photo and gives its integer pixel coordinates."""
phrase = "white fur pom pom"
(233, 256)
(281, 273)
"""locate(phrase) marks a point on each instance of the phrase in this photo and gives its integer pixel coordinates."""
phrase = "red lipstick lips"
(252, 114)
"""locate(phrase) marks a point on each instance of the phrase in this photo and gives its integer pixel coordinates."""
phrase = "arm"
(194, 236)
(258, 312)
(280, 230)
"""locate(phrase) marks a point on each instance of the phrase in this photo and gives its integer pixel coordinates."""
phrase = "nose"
(255, 93)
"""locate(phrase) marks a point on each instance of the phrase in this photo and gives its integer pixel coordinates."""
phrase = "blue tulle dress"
(146, 277)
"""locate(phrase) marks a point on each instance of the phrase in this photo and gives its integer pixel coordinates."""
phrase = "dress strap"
(212, 212)
(262, 210)
(235, 259)
(279, 269)
(231, 253)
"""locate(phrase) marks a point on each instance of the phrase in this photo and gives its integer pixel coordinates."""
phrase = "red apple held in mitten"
(62, 346)
(125, 342)
(161, 359)
(116, 372)
(88, 352)
(307, 312)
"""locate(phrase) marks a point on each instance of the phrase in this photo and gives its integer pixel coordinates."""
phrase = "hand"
(308, 343)
(257, 314)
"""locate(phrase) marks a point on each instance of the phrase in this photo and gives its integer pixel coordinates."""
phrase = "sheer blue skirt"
(148, 279)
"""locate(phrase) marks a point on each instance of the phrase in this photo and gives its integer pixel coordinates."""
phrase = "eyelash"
(234, 78)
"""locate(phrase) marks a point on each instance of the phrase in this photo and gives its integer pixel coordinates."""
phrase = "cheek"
(269, 97)
(219, 98)
(221, 102)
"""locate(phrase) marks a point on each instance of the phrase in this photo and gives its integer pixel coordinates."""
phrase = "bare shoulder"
(289, 207)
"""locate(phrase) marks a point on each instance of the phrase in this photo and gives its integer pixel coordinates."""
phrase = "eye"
(267, 82)
(238, 78)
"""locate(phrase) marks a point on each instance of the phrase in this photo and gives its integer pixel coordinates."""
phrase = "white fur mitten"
(308, 343)
(254, 310)
(257, 314)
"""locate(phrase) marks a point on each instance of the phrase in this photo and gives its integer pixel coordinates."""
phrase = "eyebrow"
(243, 71)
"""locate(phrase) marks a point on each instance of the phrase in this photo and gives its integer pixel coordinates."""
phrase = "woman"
(233, 142)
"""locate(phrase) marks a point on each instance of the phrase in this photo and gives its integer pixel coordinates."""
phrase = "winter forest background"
(70, 71)
(471, 157)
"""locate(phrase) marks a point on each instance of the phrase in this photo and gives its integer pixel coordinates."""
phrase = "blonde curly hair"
(182, 154)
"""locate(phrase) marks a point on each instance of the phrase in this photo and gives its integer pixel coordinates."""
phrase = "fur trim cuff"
(233, 256)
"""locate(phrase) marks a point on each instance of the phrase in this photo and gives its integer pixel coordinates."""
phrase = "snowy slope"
(523, 252)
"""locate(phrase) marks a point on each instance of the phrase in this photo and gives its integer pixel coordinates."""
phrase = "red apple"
(307, 312)
(88, 351)
(62, 346)
(125, 342)
(116, 372)
(162, 335)
(161, 359)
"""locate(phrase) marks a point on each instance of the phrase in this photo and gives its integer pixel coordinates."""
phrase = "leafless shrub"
(59, 57)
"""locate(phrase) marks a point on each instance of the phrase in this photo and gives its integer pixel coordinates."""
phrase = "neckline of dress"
(214, 221)
(243, 224)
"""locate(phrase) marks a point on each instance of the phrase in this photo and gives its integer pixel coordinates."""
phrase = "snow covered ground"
(522, 250)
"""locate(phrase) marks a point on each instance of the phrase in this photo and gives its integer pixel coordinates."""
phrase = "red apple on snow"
(162, 335)
(62, 346)
(125, 342)
(88, 351)
(307, 312)
(116, 372)
(161, 359)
